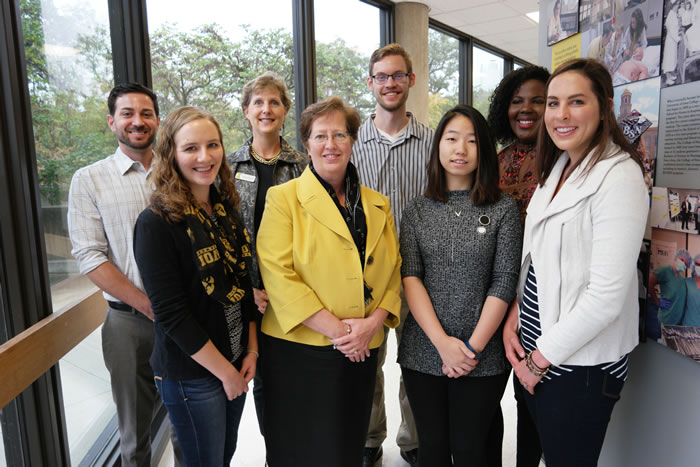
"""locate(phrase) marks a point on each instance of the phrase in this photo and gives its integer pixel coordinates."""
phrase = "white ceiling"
(501, 23)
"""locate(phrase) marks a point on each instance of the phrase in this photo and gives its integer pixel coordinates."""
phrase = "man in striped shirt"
(105, 198)
(391, 154)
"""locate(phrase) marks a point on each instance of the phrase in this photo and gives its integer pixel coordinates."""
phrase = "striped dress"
(530, 330)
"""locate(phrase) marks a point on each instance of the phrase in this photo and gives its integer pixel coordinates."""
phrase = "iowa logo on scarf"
(208, 255)
(208, 284)
(235, 295)
(219, 208)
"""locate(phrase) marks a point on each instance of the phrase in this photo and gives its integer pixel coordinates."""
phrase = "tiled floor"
(251, 447)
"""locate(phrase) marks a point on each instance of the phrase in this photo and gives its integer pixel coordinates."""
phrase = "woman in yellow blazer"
(329, 256)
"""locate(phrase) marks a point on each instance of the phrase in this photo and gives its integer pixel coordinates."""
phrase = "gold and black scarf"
(222, 252)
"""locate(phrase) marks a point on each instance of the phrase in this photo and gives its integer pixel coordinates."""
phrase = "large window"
(443, 72)
(69, 72)
(203, 54)
(487, 72)
(347, 32)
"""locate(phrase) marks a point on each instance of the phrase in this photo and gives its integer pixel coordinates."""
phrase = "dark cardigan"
(185, 316)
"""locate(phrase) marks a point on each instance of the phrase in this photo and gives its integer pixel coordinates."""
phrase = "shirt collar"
(125, 163)
(372, 132)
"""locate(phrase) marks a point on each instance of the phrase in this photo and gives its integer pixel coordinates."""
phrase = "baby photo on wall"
(635, 47)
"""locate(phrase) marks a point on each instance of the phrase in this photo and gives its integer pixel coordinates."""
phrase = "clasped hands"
(457, 359)
(355, 344)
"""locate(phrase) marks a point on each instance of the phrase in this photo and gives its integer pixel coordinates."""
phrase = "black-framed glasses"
(381, 78)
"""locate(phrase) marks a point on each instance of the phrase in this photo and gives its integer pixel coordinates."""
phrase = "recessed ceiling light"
(534, 16)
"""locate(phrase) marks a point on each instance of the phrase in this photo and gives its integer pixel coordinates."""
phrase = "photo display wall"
(652, 50)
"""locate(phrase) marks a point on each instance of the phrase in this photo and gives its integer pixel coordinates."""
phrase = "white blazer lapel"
(579, 185)
(541, 199)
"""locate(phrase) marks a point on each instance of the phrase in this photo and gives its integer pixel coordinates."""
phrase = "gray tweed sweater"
(463, 253)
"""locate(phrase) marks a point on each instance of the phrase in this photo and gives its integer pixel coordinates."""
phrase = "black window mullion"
(34, 423)
(465, 67)
(387, 32)
(304, 59)
(131, 53)
(507, 65)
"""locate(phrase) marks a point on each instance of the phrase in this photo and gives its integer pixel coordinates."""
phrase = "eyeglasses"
(381, 78)
(323, 138)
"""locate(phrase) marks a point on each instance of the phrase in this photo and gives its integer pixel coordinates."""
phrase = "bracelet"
(534, 369)
(255, 352)
(477, 355)
(537, 367)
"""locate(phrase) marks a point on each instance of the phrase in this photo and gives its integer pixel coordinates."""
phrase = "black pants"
(572, 412)
(317, 405)
(494, 440)
(258, 386)
(453, 416)
(529, 451)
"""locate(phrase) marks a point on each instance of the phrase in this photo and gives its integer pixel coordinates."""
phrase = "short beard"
(392, 108)
(123, 138)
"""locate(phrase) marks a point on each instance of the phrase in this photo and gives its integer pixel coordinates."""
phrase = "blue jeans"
(204, 420)
(572, 412)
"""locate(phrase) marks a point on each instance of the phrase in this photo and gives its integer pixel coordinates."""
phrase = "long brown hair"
(484, 188)
(172, 193)
(608, 130)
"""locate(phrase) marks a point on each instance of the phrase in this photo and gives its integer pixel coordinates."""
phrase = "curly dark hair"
(500, 100)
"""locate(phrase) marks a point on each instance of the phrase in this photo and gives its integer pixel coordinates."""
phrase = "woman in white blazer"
(583, 232)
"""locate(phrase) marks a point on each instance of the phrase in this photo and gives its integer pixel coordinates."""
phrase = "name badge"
(246, 177)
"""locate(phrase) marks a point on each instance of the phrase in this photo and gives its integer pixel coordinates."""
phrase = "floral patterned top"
(516, 170)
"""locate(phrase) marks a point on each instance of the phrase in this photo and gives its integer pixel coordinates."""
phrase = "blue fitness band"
(477, 355)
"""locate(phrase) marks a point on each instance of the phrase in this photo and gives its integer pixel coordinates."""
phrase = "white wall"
(657, 420)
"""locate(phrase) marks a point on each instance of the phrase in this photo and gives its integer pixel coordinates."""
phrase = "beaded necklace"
(262, 160)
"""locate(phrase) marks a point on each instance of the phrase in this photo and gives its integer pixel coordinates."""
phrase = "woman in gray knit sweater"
(460, 244)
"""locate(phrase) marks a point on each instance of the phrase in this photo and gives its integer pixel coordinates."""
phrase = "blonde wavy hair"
(172, 193)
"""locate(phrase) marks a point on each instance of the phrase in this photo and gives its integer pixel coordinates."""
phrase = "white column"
(411, 25)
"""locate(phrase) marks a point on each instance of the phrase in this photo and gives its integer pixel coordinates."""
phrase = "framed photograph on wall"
(562, 20)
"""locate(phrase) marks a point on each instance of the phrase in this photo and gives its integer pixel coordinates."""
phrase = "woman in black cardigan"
(193, 254)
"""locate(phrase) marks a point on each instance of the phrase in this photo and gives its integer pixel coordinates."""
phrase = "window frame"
(466, 58)
(33, 424)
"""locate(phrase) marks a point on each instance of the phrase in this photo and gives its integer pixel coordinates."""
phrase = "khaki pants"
(127, 342)
(406, 438)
